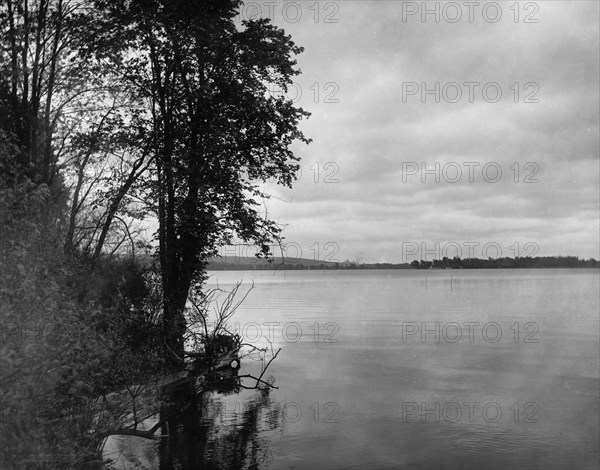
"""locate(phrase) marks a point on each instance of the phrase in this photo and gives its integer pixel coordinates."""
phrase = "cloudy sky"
(417, 155)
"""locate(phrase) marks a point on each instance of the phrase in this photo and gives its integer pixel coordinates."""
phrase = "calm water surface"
(424, 369)
(406, 369)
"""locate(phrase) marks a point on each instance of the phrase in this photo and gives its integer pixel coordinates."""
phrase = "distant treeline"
(230, 264)
(527, 262)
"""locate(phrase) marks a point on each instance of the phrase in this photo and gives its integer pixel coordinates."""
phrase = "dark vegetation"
(133, 138)
(498, 263)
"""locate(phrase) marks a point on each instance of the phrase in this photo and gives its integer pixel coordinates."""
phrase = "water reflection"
(219, 429)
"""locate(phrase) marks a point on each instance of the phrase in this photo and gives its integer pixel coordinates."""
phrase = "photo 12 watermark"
(470, 12)
(325, 92)
(440, 251)
(290, 412)
(288, 332)
(469, 412)
(327, 173)
(471, 172)
(281, 11)
(312, 172)
(291, 252)
(470, 92)
(469, 332)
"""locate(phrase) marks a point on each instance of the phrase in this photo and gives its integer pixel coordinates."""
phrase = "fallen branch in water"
(150, 434)
(259, 378)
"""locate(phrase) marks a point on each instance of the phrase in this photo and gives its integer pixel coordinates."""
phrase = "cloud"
(373, 132)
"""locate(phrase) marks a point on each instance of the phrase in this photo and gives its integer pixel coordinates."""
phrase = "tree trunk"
(116, 202)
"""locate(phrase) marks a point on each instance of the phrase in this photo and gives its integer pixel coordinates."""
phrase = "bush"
(70, 333)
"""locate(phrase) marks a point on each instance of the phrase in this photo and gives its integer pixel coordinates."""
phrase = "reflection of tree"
(201, 437)
(241, 446)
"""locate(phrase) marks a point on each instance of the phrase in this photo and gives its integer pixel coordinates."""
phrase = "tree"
(106, 170)
(425, 264)
(215, 130)
(61, 113)
(35, 79)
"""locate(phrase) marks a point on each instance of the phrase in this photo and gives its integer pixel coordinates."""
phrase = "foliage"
(69, 336)
(113, 113)
(214, 129)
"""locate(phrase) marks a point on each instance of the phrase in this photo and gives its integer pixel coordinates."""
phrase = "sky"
(442, 129)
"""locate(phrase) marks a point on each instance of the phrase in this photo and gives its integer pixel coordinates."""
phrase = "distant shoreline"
(256, 264)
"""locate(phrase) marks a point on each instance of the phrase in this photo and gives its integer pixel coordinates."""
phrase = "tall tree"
(34, 77)
(215, 130)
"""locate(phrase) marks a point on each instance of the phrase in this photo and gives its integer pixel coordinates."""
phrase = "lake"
(382, 369)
